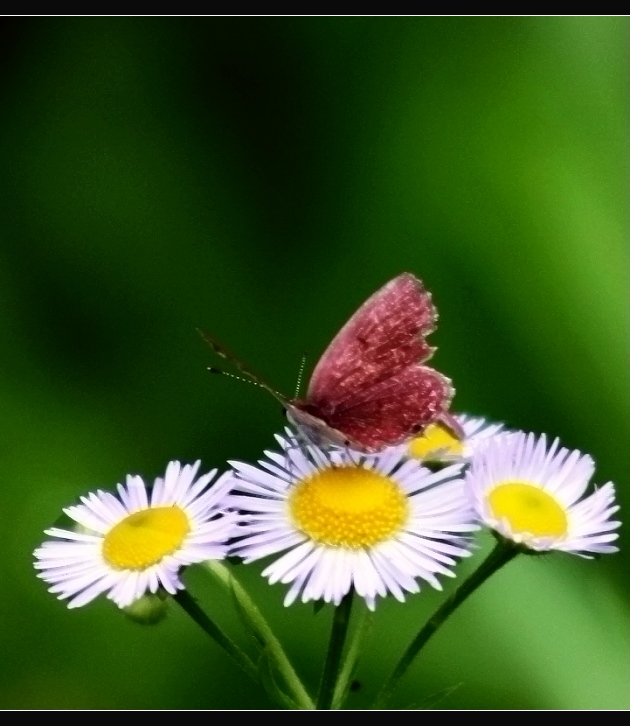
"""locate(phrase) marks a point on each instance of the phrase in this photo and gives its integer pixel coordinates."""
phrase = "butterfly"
(371, 389)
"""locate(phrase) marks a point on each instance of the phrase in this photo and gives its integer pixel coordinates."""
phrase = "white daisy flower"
(533, 495)
(441, 443)
(137, 541)
(374, 523)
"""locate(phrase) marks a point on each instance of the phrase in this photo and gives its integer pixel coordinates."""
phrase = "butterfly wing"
(393, 410)
(370, 383)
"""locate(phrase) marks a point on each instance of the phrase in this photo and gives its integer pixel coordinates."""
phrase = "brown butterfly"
(371, 389)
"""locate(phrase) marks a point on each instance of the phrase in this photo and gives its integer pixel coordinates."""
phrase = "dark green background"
(259, 178)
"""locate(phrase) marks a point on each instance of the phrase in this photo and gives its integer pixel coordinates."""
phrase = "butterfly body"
(371, 389)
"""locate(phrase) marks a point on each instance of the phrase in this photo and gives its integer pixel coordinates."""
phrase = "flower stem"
(500, 555)
(262, 633)
(338, 634)
(188, 603)
(357, 640)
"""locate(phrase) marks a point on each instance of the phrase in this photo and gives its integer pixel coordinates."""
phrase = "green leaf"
(248, 623)
(430, 702)
(267, 675)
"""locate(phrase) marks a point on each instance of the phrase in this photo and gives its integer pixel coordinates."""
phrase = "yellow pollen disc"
(528, 509)
(142, 539)
(348, 506)
(436, 441)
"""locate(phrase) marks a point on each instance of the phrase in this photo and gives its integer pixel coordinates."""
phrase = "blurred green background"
(259, 178)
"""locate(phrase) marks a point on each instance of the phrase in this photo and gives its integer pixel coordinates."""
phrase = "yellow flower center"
(528, 509)
(348, 506)
(143, 538)
(436, 441)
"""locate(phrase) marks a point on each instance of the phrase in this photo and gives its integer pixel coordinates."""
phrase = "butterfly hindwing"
(393, 409)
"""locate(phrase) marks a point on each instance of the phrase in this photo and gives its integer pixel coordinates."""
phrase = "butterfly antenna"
(248, 373)
(300, 375)
(220, 371)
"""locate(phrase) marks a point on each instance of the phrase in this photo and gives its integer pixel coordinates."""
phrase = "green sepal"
(150, 609)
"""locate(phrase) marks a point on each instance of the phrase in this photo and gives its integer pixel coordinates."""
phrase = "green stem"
(338, 634)
(188, 603)
(502, 553)
(264, 634)
(352, 656)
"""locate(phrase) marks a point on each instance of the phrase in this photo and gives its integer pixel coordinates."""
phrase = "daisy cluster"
(332, 519)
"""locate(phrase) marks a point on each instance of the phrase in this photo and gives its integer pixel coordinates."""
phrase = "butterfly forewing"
(385, 335)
